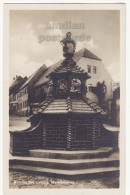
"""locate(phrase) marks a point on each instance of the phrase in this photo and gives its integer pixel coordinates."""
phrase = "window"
(19, 94)
(14, 98)
(89, 87)
(20, 105)
(89, 68)
(25, 90)
(26, 103)
(94, 69)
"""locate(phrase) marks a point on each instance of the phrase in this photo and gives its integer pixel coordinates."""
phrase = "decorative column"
(44, 134)
(69, 134)
(95, 134)
(69, 105)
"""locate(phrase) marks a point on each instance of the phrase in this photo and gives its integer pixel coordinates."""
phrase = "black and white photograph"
(64, 88)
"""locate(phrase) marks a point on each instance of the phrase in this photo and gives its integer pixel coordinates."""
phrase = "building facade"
(99, 86)
(24, 96)
(14, 95)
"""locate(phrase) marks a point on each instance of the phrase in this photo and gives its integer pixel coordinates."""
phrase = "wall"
(52, 133)
(92, 136)
(22, 98)
(22, 141)
(38, 94)
(56, 132)
(100, 76)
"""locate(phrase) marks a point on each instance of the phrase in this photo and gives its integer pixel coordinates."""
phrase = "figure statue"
(50, 89)
(69, 46)
(101, 91)
(75, 85)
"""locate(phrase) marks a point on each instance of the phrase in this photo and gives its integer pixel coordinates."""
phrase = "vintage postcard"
(64, 79)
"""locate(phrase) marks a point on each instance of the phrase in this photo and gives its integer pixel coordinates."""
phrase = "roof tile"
(58, 106)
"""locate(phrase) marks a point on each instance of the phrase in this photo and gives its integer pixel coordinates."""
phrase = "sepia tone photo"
(64, 91)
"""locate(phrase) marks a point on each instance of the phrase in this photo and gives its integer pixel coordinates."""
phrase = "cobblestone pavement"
(26, 180)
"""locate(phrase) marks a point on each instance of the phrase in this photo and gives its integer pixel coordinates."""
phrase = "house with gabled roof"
(24, 94)
(99, 86)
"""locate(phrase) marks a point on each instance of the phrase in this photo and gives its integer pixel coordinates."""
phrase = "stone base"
(98, 163)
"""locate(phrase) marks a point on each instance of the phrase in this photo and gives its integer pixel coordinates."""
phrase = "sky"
(35, 37)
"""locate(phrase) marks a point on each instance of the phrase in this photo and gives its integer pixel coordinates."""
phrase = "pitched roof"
(86, 54)
(70, 67)
(35, 76)
(15, 86)
(43, 79)
(64, 106)
(15, 82)
(77, 56)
